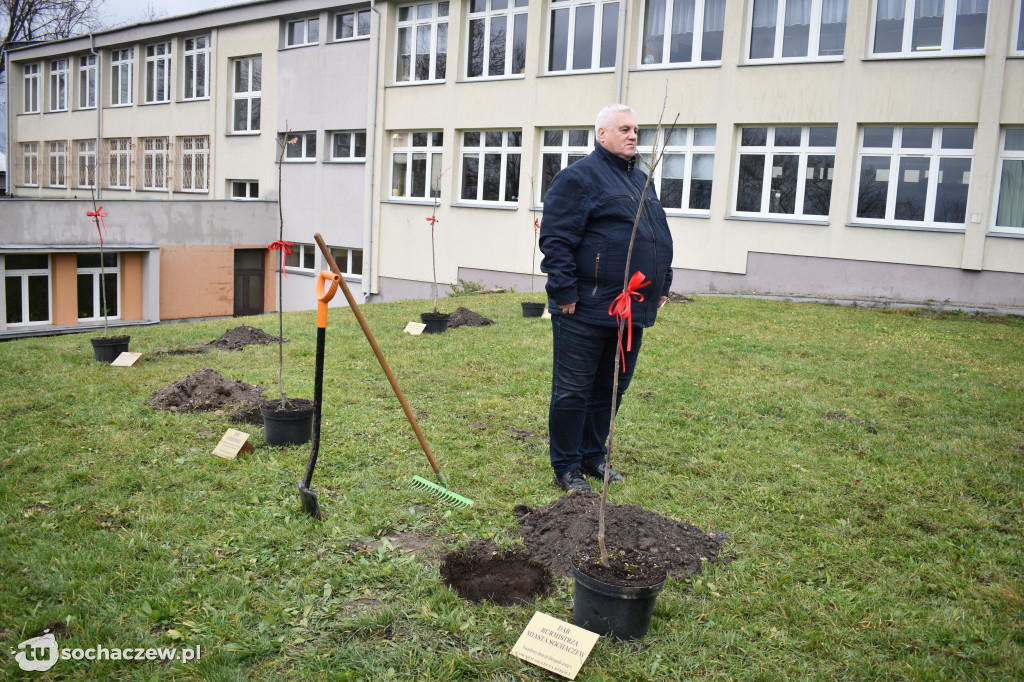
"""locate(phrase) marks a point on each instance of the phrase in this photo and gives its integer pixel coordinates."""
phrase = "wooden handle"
(380, 356)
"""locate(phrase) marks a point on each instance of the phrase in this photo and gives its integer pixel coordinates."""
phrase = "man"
(589, 211)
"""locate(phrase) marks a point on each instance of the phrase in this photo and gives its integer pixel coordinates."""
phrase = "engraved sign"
(555, 645)
(233, 443)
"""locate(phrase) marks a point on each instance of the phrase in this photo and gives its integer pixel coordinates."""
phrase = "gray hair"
(607, 112)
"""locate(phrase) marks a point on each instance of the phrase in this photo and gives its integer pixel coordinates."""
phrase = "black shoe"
(598, 472)
(572, 480)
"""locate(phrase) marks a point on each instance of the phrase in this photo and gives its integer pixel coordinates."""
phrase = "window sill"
(580, 72)
(361, 159)
(408, 84)
(920, 55)
(287, 161)
(193, 99)
(1006, 235)
(406, 200)
(150, 104)
(768, 61)
(676, 213)
(298, 46)
(488, 79)
(494, 206)
(910, 228)
(353, 39)
(792, 220)
(716, 64)
(242, 133)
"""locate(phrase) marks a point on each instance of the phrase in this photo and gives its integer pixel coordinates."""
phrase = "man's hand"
(568, 308)
(662, 301)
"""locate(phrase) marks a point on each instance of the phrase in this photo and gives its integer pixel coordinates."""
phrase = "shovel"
(309, 501)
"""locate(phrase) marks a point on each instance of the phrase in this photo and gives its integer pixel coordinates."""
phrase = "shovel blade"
(309, 502)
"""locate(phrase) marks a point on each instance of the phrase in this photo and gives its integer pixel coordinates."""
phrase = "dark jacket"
(589, 211)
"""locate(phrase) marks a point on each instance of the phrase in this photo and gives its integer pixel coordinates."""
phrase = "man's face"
(619, 137)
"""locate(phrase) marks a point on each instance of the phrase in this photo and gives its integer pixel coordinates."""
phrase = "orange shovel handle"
(324, 297)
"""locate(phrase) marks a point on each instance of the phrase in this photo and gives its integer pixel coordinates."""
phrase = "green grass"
(867, 464)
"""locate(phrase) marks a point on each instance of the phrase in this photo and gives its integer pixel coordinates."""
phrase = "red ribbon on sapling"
(622, 309)
(97, 217)
(286, 247)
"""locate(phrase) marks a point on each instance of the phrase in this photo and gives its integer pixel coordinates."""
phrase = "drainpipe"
(99, 117)
(7, 115)
(371, 136)
(620, 57)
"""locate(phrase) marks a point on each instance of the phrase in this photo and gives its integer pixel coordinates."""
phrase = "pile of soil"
(240, 337)
(466, 317)
(553, 533)
(205, 389)
(480, 571)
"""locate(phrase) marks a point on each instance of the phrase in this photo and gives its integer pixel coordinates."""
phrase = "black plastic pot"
(618, 610)
(531, 309)
(436, 322)
(292, 426)
(107, 348)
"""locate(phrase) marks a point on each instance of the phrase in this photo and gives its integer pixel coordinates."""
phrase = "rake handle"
(380, 356)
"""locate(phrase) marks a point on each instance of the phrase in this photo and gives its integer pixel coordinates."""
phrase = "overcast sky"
(119, 12)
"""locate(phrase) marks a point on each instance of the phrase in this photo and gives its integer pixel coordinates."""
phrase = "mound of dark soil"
(554, 532)
(240, 337)
(480, 571)
(466, 317)
(205, 389)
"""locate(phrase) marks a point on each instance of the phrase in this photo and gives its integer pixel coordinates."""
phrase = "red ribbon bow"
(536, 225)
(286, 247)
(432, 220)
(97, 217)
(622, 309)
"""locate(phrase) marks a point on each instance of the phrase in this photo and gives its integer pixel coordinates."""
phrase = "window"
(57, 160)
(929, 27)
(85, 163)
(196, 69)
(583, 35)
(195, 163)
(1017, 46)
(682, 32)
(158, 73)
(154, 163)
(121, 80)
(90, 298)
(797, 29)
(415, 162)
(31, 75)
(87, 81)
(119, 163)
(350, 261)
(299, 146)
(914, 176)
(27, 288)
(422, 42)
(348, 145)
(30, 164)
(497, 38)
(1010, 204)
(683, 177)
(302, 32)
(59, 85)
(247, 95)
(490, 165)
(245, 189)
(352, 25)
(786, 171)
(302, 258)
(560, 149)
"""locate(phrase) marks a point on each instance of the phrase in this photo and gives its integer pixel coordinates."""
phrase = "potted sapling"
(105, 348)
(533, 308)
(436, 322)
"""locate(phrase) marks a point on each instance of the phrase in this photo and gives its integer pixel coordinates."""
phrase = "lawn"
(867, 465)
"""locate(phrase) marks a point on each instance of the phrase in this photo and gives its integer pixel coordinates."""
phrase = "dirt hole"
(481, 571)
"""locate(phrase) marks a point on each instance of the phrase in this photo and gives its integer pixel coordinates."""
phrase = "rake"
(440, 491)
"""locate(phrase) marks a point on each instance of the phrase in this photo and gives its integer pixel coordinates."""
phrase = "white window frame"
(412, 21)
(817, 14)
(802, 152)
(194, 152)
(353, 145)
(350, 261)
(574, 8)
(302, 259)
(85, 163)
(303, 150)
(412, 147)
(57, 163)
(195, 72)
(30, 74)
(96, 273)
(250, 190)
(570, 149)
(87, 81)
(310, 32)
(158, 73)
(1013, 155)
(1017, 38)
(155, 164)
(122, 76)
(514, 14)
(491, 143)
(59, 71)
(944, 49)
(30, 164)
(24, 274)
(248, 96)
(119, 162)
(896, 153)
(704, 12)
(359, 29)
(685, 142)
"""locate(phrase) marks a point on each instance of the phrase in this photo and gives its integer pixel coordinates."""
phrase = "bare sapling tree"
(284, 248)
(656, 157)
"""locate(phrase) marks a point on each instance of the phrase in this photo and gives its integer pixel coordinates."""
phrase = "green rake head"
(441, 492)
